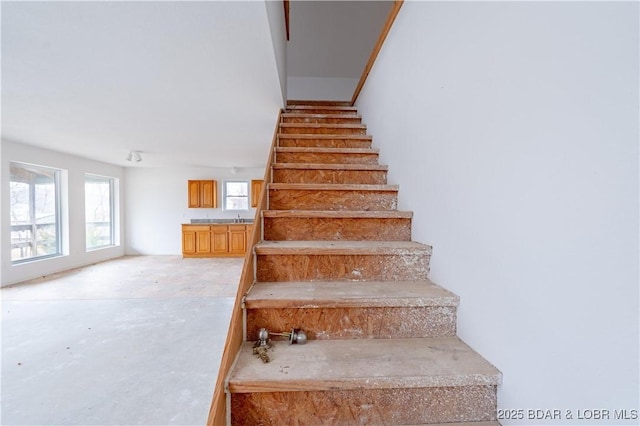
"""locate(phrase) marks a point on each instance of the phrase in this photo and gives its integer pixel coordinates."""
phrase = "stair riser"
(323, 120)
(310, 130)
(364, 177)
(324, 143)
(293, 199)
(367, 406)
(356, 322)
(336, 229)
(384, 267)
(327, 158)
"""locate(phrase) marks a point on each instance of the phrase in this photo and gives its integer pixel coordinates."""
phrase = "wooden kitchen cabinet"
(237, 239)
(256, 189)
(219, 239)
(203, 194)
(196, 240)
(215, 240)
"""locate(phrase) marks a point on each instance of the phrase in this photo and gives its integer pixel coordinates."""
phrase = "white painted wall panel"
(74, 222)
(156, 205)
(512, 129)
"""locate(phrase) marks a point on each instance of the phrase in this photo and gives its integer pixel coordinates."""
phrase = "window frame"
(225, 195)
(112, 214)
(58, 214)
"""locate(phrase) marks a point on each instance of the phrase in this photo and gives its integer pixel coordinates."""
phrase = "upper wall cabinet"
(256, 189)
(203, 194)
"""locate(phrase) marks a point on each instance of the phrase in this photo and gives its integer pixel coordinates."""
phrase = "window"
(35, 212)
(236, 195)
(99, 211)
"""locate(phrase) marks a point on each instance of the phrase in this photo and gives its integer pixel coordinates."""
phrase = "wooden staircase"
(337, 261)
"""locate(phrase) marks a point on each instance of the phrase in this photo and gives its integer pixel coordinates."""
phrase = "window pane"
(237, 203)
(236, 195)
(235, 189)
(98, 195)
(35, 224)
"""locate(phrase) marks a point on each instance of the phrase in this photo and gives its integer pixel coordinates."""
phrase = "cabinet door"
(208, 194)
(194, 193)
(203, 194)
(203, 241)
(188, 242)
(256, 190)
(219, 239)
(237, 239)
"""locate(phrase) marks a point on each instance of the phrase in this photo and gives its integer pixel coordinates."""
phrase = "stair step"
(279, 261)
(338, 310)
(327, 155)
(295, 117)
(363, 364)
(324, 102)
(330, 129)
(329, 141)
(322, 109)
(342, 247)
(364, 381)
(333, 294)
(336, 225)
(303, 196)
(365, 174)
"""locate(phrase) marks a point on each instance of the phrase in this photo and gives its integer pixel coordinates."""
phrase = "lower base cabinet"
(196, 240)
(215, 240)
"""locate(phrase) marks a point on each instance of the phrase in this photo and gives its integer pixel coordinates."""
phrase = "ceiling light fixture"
(134, 156)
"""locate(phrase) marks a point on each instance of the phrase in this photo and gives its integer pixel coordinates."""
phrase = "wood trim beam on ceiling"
(397, 4)
(286, 16)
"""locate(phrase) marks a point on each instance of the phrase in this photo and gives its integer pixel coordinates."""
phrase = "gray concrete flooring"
(131, 341)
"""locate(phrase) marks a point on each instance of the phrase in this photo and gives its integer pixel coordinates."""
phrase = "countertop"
(221, 221)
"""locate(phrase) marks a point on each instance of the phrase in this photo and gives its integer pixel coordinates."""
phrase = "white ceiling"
(187, 83)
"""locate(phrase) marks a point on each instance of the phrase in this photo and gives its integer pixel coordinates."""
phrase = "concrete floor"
(132, 341)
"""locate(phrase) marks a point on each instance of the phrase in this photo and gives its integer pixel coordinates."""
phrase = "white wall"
(73, 221)
(321, 88)
(512, 129)
(275, 14)
(156, 205)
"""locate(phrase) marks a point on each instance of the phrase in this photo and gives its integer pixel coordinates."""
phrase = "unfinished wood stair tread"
(318, 294)
(329, 102)
(339, 214)
(299, 114)
(329, 166)
(324, 136)
(341, 248)
(296, 149)
(324, 125)
(362, 364)
(342, 108)
(333, 187)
